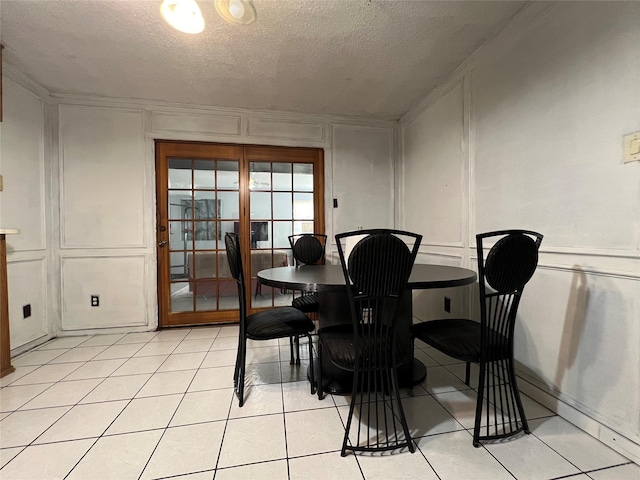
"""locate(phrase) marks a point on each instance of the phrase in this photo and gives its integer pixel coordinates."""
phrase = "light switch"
(631, 147)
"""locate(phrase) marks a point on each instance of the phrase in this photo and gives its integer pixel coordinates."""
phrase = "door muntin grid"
(204, 204)
(281, 203)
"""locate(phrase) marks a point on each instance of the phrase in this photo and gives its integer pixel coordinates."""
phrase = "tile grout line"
(117, 416)
(227, 427)
(164, 429)
(61, 417)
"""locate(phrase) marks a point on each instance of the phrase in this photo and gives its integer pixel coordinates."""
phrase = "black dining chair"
(307, 249)
(279, 322)
(509, 265)
(376, 273)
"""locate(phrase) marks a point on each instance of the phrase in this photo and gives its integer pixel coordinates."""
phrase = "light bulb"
(236, 9)
(236, 12)
(183, 15)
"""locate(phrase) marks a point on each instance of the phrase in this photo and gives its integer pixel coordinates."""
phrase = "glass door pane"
(204, 204)
(279, 206)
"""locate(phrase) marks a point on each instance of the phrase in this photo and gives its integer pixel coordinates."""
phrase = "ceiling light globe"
(183, 15)
(236, 9)
(236, 12)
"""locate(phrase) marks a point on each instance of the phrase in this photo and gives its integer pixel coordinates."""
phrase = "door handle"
(162, 243)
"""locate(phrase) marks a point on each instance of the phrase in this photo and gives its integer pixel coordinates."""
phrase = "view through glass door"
(285, 198)
(206, 190)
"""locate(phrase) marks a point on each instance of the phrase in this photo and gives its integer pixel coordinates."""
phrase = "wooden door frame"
(244, 154)
(165, 149)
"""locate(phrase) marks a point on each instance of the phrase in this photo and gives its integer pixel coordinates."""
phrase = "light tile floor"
(161, 404)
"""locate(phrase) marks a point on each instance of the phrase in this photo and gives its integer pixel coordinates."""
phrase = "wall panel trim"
(441, 244)
(144, 322)
(590, 271)
(439, 254)
(172, 121)
(64, 244)
(286, 129)
(44, 284)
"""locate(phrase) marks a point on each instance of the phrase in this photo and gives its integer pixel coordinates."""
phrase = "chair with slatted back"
(308, 249)
(509, 265)
(376, 273)
(280, 322)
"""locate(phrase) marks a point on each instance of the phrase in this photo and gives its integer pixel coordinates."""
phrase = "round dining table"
(328, 281)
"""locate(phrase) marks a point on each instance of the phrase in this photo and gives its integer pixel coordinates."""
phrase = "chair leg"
(479, 401)
(242, 364)
(516, 394)
(236, 371)
(312, 372)
(294, 341)
(403, 419)
(319, 377)
(354, 390)
(412, 352)
(467, 372)
(499, 395)
(380, 413)
(297, 342)
(292, 361)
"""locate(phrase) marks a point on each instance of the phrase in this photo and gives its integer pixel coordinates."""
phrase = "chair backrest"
(232, 244)
(376, 273)
(308, 248)
(508, 267)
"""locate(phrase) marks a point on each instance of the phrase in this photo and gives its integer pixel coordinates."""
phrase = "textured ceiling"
(374, 58)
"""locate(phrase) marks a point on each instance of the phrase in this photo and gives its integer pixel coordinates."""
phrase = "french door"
(264, 194)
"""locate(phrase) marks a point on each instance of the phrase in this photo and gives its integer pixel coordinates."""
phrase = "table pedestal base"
(335, 310)
(340, 382)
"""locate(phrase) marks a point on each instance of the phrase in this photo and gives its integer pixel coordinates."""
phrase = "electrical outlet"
(26, 311)
(95, 300)
(447, 304)
(631, 147)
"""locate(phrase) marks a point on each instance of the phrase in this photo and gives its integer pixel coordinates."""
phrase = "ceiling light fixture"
(237, 12)
(183, 15)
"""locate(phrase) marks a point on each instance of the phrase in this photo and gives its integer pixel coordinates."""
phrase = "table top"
(330, 277)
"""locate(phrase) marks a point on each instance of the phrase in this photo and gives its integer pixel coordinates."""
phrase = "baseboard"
(618, 442)
(32, 344)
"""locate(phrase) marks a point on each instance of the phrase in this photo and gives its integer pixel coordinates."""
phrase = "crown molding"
(65, 98)
(25, 82)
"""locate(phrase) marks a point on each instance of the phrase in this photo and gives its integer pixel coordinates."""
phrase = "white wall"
(528, 134)
(96, 184)
(22, 206)
(105, 218)
(362, 180)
